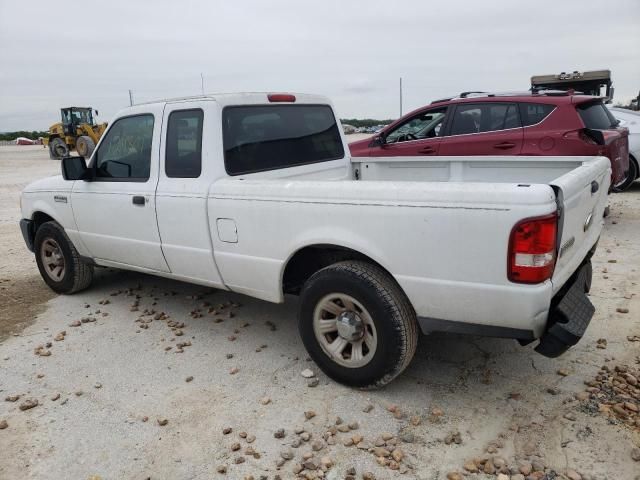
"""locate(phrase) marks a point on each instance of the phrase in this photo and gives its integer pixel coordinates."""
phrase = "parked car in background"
(549, 123)
(631, 121)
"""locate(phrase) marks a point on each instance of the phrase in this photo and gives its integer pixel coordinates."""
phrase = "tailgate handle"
(594, 187)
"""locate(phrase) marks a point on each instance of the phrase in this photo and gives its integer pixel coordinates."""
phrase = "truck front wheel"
(58, 260)
(357, 324)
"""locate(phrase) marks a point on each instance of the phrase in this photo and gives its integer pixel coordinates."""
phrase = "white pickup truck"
(256, 194)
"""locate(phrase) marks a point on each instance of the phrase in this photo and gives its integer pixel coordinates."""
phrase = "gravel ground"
(108, 385)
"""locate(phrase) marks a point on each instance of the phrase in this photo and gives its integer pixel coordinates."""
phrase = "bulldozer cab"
(72, 117)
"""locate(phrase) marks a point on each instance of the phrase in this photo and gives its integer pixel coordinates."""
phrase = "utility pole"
(130, 98)
(400, 96)
(202, 83)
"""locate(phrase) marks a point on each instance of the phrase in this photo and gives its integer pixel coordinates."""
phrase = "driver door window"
(417, 136)
(125, 153)
(425, 125)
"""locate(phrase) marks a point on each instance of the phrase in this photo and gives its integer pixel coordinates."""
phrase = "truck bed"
(440, 226)
(483, 169)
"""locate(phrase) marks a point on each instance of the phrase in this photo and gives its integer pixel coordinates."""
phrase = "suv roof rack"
(462, 95)
(440, 100)
(553, 92)
(466, 94)
(533, 91)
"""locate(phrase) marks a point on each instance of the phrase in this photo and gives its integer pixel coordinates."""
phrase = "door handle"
(427, 150)
(504, 145)
(138, 200)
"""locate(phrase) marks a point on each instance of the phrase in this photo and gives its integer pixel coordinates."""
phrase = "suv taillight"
(588, 136)
(532, 249)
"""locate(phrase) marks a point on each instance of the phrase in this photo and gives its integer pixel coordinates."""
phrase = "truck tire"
(57, 148)
(631, 177)
(357, 324)
(85, 146)
(58, 260)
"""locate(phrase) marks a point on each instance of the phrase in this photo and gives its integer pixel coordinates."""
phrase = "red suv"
(534, 123)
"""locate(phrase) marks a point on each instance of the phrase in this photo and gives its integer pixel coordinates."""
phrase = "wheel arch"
(307, 260)
(40, 217)
(633, 159)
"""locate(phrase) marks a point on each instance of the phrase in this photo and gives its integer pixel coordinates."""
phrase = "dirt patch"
(22, 300)
(22, 291)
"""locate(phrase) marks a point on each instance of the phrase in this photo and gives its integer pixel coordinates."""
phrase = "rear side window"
(484, 117)
(267, 137)
(532, 113)
(183, 157)
(595, 115)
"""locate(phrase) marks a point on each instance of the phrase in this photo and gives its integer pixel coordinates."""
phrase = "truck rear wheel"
(57, 148)
(58, 260)
(85, 146)
(357, 324)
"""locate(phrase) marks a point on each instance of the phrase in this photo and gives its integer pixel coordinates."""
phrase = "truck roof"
(243, 98)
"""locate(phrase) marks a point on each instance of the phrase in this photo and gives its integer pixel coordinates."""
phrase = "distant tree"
(33, 135)
(366, 122)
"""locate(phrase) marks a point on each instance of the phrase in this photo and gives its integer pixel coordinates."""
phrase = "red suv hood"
(360, 148)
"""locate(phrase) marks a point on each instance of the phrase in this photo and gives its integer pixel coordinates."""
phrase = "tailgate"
(582, 198)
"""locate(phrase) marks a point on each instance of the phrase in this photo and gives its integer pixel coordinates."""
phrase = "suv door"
(115, 212)
(419, 135)
(489, 128)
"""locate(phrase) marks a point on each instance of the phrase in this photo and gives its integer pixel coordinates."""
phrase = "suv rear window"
(266, 137)
(596, 116)
(532, 113)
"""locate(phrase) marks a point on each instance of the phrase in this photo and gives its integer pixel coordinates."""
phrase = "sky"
(352, 51)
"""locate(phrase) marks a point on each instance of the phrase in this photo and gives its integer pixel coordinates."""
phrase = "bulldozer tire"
(57, 148)
(85, 146)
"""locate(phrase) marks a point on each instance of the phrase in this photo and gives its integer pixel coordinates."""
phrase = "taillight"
(590, 137)
(281, 97)
(587, 138)
(532, 249)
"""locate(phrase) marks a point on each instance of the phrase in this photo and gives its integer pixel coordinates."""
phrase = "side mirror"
(378, 141)
(75, 168)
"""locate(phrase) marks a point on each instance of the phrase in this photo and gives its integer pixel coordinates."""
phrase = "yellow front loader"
(77, 131)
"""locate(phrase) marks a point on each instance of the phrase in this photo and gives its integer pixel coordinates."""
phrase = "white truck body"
(440, 226)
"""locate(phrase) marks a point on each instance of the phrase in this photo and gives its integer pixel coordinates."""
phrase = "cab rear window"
(267, 137)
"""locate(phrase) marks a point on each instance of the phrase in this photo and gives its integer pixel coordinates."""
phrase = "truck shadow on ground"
(445, 363)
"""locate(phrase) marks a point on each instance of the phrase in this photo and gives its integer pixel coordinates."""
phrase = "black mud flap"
(26, 227)
(570, 314)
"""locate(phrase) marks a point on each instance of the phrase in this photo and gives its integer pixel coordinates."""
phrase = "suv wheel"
(357, 324)
(631, 176)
